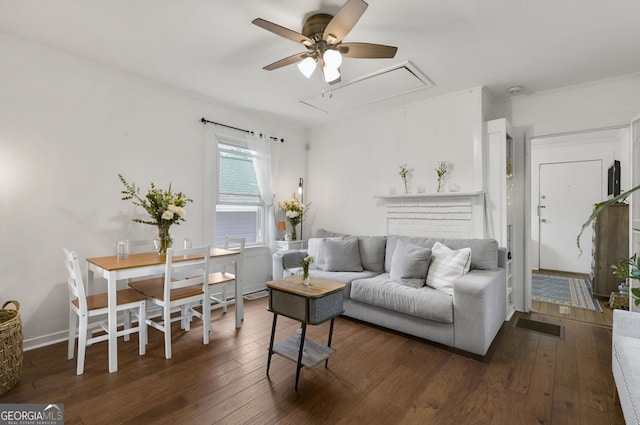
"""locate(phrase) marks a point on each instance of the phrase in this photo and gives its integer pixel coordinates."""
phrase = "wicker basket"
(10, 347)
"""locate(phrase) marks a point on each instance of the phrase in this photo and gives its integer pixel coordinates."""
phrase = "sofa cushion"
(446, 266)
(293, 259)
(342, 255)
(409, 264)
(425, 302)
(316, 249)
(322, 233)
(372, 252)
(484, 252)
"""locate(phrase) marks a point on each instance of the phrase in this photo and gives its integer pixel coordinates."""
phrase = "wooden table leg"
(302, 336)
(273, 334)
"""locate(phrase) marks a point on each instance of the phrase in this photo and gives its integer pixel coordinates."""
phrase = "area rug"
(568, 291)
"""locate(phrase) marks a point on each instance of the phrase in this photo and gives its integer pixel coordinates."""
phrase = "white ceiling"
(210, 46)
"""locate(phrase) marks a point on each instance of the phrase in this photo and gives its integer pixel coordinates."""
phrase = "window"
(239, 207)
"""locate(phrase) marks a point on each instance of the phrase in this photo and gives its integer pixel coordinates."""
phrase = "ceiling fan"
(322, 35)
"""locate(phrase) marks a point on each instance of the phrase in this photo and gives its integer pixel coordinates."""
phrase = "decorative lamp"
(282, 227)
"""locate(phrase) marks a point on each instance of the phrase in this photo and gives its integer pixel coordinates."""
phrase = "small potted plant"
(404, 175)
(442, 170)
(306, 261)
(627, 269)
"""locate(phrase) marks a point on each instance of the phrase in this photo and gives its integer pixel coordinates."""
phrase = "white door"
(568, 191)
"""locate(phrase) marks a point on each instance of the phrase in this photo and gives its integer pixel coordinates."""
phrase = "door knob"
(543, 220)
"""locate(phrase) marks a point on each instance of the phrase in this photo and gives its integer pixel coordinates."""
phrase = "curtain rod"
(206, 121)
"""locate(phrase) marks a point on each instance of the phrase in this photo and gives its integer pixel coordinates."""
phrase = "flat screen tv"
(614, 179)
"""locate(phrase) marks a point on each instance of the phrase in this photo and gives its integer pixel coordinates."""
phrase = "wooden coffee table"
(310, 305)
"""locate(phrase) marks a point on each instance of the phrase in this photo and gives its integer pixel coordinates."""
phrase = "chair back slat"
(179, 274)
(234, 244)
(74, 279)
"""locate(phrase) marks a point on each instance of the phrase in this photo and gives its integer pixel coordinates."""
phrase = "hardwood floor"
(375, 377)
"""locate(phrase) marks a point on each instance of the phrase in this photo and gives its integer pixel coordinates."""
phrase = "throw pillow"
(409, 264)
(342, 255)
(315, 248)
(372, 252)
(446, 266)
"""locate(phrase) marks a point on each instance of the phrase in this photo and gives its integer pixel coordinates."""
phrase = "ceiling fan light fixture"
(330, 74)
(332, 58)
(307, 66)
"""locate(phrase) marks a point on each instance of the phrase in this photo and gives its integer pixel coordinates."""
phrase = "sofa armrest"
(626, 323)
(479, 309)
(288, 259)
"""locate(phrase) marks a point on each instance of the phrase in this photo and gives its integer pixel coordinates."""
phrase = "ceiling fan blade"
(344, 21)
(367, 51)
(286, 61)
(282, 31)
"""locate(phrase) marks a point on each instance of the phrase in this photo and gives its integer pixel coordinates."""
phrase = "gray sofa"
(625, 359)
(413, 285)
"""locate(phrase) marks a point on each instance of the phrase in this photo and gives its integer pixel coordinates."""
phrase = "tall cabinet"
(504, 174)
(610, 244)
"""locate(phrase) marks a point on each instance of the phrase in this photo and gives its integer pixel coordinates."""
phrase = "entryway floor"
(579, 314)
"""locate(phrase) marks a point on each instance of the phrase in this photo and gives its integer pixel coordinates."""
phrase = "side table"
(287, 245)
(310, 305)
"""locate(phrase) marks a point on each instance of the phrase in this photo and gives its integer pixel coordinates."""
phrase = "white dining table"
(148, 264)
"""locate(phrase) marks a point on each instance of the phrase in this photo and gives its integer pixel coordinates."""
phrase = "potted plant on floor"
(627, 269)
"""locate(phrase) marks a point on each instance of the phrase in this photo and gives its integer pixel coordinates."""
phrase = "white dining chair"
(183, 286)
(222, 280)
(82, 307)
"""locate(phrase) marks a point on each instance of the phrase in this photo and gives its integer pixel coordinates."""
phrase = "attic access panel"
(385, 84)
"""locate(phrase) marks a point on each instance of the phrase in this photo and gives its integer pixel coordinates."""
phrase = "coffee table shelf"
(312, 353)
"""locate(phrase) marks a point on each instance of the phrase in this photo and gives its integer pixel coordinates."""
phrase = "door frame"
(528, 201)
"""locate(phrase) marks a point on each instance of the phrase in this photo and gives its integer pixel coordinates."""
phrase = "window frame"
(227, 144)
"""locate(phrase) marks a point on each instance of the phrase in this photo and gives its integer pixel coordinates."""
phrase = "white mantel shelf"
(431, 195)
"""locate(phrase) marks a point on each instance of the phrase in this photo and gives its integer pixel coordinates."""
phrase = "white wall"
(600, 104)
(351, 161)
(67, 128)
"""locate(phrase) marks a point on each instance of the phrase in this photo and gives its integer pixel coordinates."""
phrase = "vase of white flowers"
(294, 210)
(164, 207)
